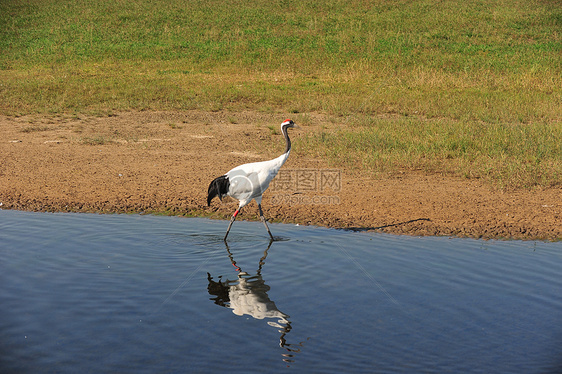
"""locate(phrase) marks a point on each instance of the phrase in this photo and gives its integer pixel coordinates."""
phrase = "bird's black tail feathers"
(218, 187)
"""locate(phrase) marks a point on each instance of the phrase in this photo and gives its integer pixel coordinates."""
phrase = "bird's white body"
(249, 181)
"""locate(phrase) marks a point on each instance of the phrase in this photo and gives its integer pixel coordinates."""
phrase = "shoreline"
(162, 162)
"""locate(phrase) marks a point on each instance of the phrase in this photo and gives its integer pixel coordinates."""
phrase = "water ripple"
(161, 294)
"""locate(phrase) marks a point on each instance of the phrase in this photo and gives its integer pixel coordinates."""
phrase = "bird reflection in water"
(247, 295)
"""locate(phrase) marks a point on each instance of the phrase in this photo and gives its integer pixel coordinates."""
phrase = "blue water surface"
(87, 293)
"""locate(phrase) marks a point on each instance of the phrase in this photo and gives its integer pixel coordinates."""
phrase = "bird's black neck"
(286, 135)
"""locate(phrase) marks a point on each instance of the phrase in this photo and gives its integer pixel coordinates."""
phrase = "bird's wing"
(266, 170)
(249, 181)
(244, 186)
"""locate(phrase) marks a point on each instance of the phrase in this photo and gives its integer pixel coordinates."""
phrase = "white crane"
(249, 181)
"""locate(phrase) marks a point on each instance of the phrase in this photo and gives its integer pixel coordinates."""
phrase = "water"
(84, 293)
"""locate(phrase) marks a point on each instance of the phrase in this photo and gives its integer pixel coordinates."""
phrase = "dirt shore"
(162, 162)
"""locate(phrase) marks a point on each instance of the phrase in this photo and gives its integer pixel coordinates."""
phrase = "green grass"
(462, 68)
(508, 156)
(477, 60)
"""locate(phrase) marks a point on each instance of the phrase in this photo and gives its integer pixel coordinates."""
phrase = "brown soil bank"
(163, 162)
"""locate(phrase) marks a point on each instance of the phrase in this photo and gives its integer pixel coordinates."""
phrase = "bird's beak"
(296, 126)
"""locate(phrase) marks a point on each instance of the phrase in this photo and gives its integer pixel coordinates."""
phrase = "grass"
(446, 70)
(508, 156)
(35, 128)
(95, 140)
(175, 126)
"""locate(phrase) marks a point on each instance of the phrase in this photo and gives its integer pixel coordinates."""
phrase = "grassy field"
(471, 88)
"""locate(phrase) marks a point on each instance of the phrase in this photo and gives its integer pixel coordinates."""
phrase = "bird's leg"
(231, 222)
(264, 221)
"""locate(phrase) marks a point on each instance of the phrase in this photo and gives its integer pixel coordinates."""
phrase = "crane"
(248, 182)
